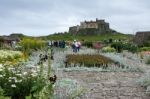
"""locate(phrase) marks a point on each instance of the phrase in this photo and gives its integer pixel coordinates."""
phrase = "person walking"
(78, 46)
(74, 46)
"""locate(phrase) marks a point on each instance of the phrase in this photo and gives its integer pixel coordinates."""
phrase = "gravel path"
(107, 85)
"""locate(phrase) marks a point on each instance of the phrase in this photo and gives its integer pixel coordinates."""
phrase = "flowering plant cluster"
(15, 82)
(9, 56)
(108, 49)
(97, 45)
(88, 60)
(18, 82)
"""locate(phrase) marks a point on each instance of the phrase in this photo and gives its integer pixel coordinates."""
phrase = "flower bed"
(9, 56)
(25, 79)
(88, 60)
(13, 80)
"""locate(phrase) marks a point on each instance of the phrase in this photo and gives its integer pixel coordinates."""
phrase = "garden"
(34, 70)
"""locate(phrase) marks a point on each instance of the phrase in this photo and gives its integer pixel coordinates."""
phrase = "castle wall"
(89, 25)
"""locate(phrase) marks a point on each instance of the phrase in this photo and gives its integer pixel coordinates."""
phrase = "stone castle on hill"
(91, 27)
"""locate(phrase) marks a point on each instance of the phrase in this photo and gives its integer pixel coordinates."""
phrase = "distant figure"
(78, 46)
(56, 43)
(74, 46)
(60, 44)
(50, 43)
(63, 44)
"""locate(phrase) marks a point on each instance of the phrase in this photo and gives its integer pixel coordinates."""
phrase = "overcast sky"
(43, 17)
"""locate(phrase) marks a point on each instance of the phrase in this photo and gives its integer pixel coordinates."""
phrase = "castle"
(91, 27)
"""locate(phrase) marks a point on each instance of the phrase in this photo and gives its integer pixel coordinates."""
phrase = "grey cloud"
(37, 17)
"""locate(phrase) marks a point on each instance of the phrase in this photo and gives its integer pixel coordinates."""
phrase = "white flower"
(1, 69)
(33, 71)
(1, 66)
(1, 75)
(34, 74)
(19, 74)
(24, 73)
(19, 80)
(11, 68)
(13, 85)
(5, 54)
(12, 78)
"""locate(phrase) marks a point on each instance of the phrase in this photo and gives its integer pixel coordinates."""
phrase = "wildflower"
(19, 74)
(33, 71)
(14, 78)
(13, 85)
(19, 80)
(10, 78)
(1, 75)
(11, 69)
(24, 73)
(16, 81)
(34, 74)
(1, 66)
(1, 69)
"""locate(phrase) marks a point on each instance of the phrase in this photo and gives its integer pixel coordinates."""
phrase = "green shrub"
(87, 44)
(1, 91)
(32, 43)
(118, 46)
(146, 44)
(130, 47)
(28, 45)
(108, 49)
(145, 49)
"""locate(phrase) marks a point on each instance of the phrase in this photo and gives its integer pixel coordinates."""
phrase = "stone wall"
(91, 24)
(142, 37)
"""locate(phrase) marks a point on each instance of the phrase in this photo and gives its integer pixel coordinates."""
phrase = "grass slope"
(68, 36)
